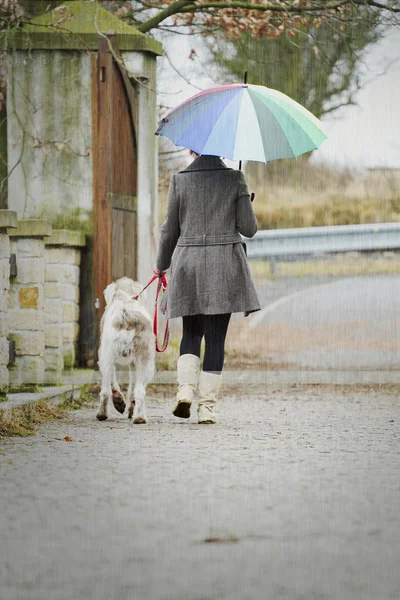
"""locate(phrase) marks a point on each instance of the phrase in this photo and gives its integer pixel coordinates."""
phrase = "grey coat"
(208, 207)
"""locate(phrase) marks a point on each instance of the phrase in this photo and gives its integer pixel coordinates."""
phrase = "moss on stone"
(79, 31)
(69, 359)
(77, 219)
(25, 388)
(3, 157)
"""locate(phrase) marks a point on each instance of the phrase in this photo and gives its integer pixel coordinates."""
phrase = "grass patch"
(24, 420)
(340, 265)
(296, 193)
(300, 194)
(334, 210)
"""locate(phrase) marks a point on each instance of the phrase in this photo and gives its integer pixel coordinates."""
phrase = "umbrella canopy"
(243, 122)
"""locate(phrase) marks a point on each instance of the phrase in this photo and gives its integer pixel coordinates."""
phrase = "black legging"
(213, 328)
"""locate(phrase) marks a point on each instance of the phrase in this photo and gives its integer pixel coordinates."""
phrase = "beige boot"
(209, 387)
(188, 369)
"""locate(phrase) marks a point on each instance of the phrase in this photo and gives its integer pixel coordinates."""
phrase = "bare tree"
(320, 68)
(260, 18)
(227, 19)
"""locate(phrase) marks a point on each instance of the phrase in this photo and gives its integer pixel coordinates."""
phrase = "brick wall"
(26, 313)
(62, 257)
(39, 305)
(8, 219)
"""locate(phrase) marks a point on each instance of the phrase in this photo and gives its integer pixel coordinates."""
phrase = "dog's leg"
(115, 385)
(105, 392)
(117, 395)
(131, 397)
(143, 376)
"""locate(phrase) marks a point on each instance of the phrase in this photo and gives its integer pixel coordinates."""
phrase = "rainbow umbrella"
(243, 122)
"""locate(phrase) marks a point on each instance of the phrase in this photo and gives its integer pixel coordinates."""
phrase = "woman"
(208, 207)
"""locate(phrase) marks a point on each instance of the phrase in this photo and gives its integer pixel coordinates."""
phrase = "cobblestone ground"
(296, 489)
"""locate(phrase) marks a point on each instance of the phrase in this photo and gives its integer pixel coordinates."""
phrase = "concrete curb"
(267, 377)
(73, 382)
(57, 395)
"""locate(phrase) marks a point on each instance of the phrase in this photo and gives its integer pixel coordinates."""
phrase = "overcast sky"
(367, 135)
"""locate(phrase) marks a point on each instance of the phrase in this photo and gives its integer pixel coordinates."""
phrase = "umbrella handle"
(244, 81)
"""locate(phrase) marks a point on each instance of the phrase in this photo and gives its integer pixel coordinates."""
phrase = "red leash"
(162, 283)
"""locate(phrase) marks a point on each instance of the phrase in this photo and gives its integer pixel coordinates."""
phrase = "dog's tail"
(128, 320)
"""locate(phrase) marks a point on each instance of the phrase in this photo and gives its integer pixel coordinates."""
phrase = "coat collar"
(204, 163)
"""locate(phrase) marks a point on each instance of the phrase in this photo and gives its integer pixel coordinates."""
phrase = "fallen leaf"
(221, 540)
(67, 439)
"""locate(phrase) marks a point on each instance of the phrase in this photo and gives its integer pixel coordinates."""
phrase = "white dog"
(126, 338)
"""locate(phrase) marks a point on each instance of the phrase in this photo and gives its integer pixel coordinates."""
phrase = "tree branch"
(278, 8)
(350, 102)
(179, 73)
(310, 8)
(173, 9)
(373, 3)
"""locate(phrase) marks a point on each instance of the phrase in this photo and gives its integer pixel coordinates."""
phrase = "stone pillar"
(26, 314)
(8, 219)
(62, 257)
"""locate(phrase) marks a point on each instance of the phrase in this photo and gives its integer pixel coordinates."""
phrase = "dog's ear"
(109, 292)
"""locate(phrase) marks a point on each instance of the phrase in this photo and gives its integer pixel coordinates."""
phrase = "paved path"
(299, 487)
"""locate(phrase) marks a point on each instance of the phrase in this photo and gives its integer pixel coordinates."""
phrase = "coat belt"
(210, 240)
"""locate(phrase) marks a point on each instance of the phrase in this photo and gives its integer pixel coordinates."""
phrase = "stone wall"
(8, 219)
(39, 304)
(49, 98)
(26, 314)
(62, 257)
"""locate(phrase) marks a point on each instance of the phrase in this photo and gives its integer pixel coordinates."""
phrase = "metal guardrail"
(284, 243)
(319, 240)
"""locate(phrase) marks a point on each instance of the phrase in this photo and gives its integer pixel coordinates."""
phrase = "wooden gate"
(115, 117)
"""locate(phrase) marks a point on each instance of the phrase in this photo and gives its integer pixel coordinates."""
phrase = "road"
(293, 495)
(332, 322)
